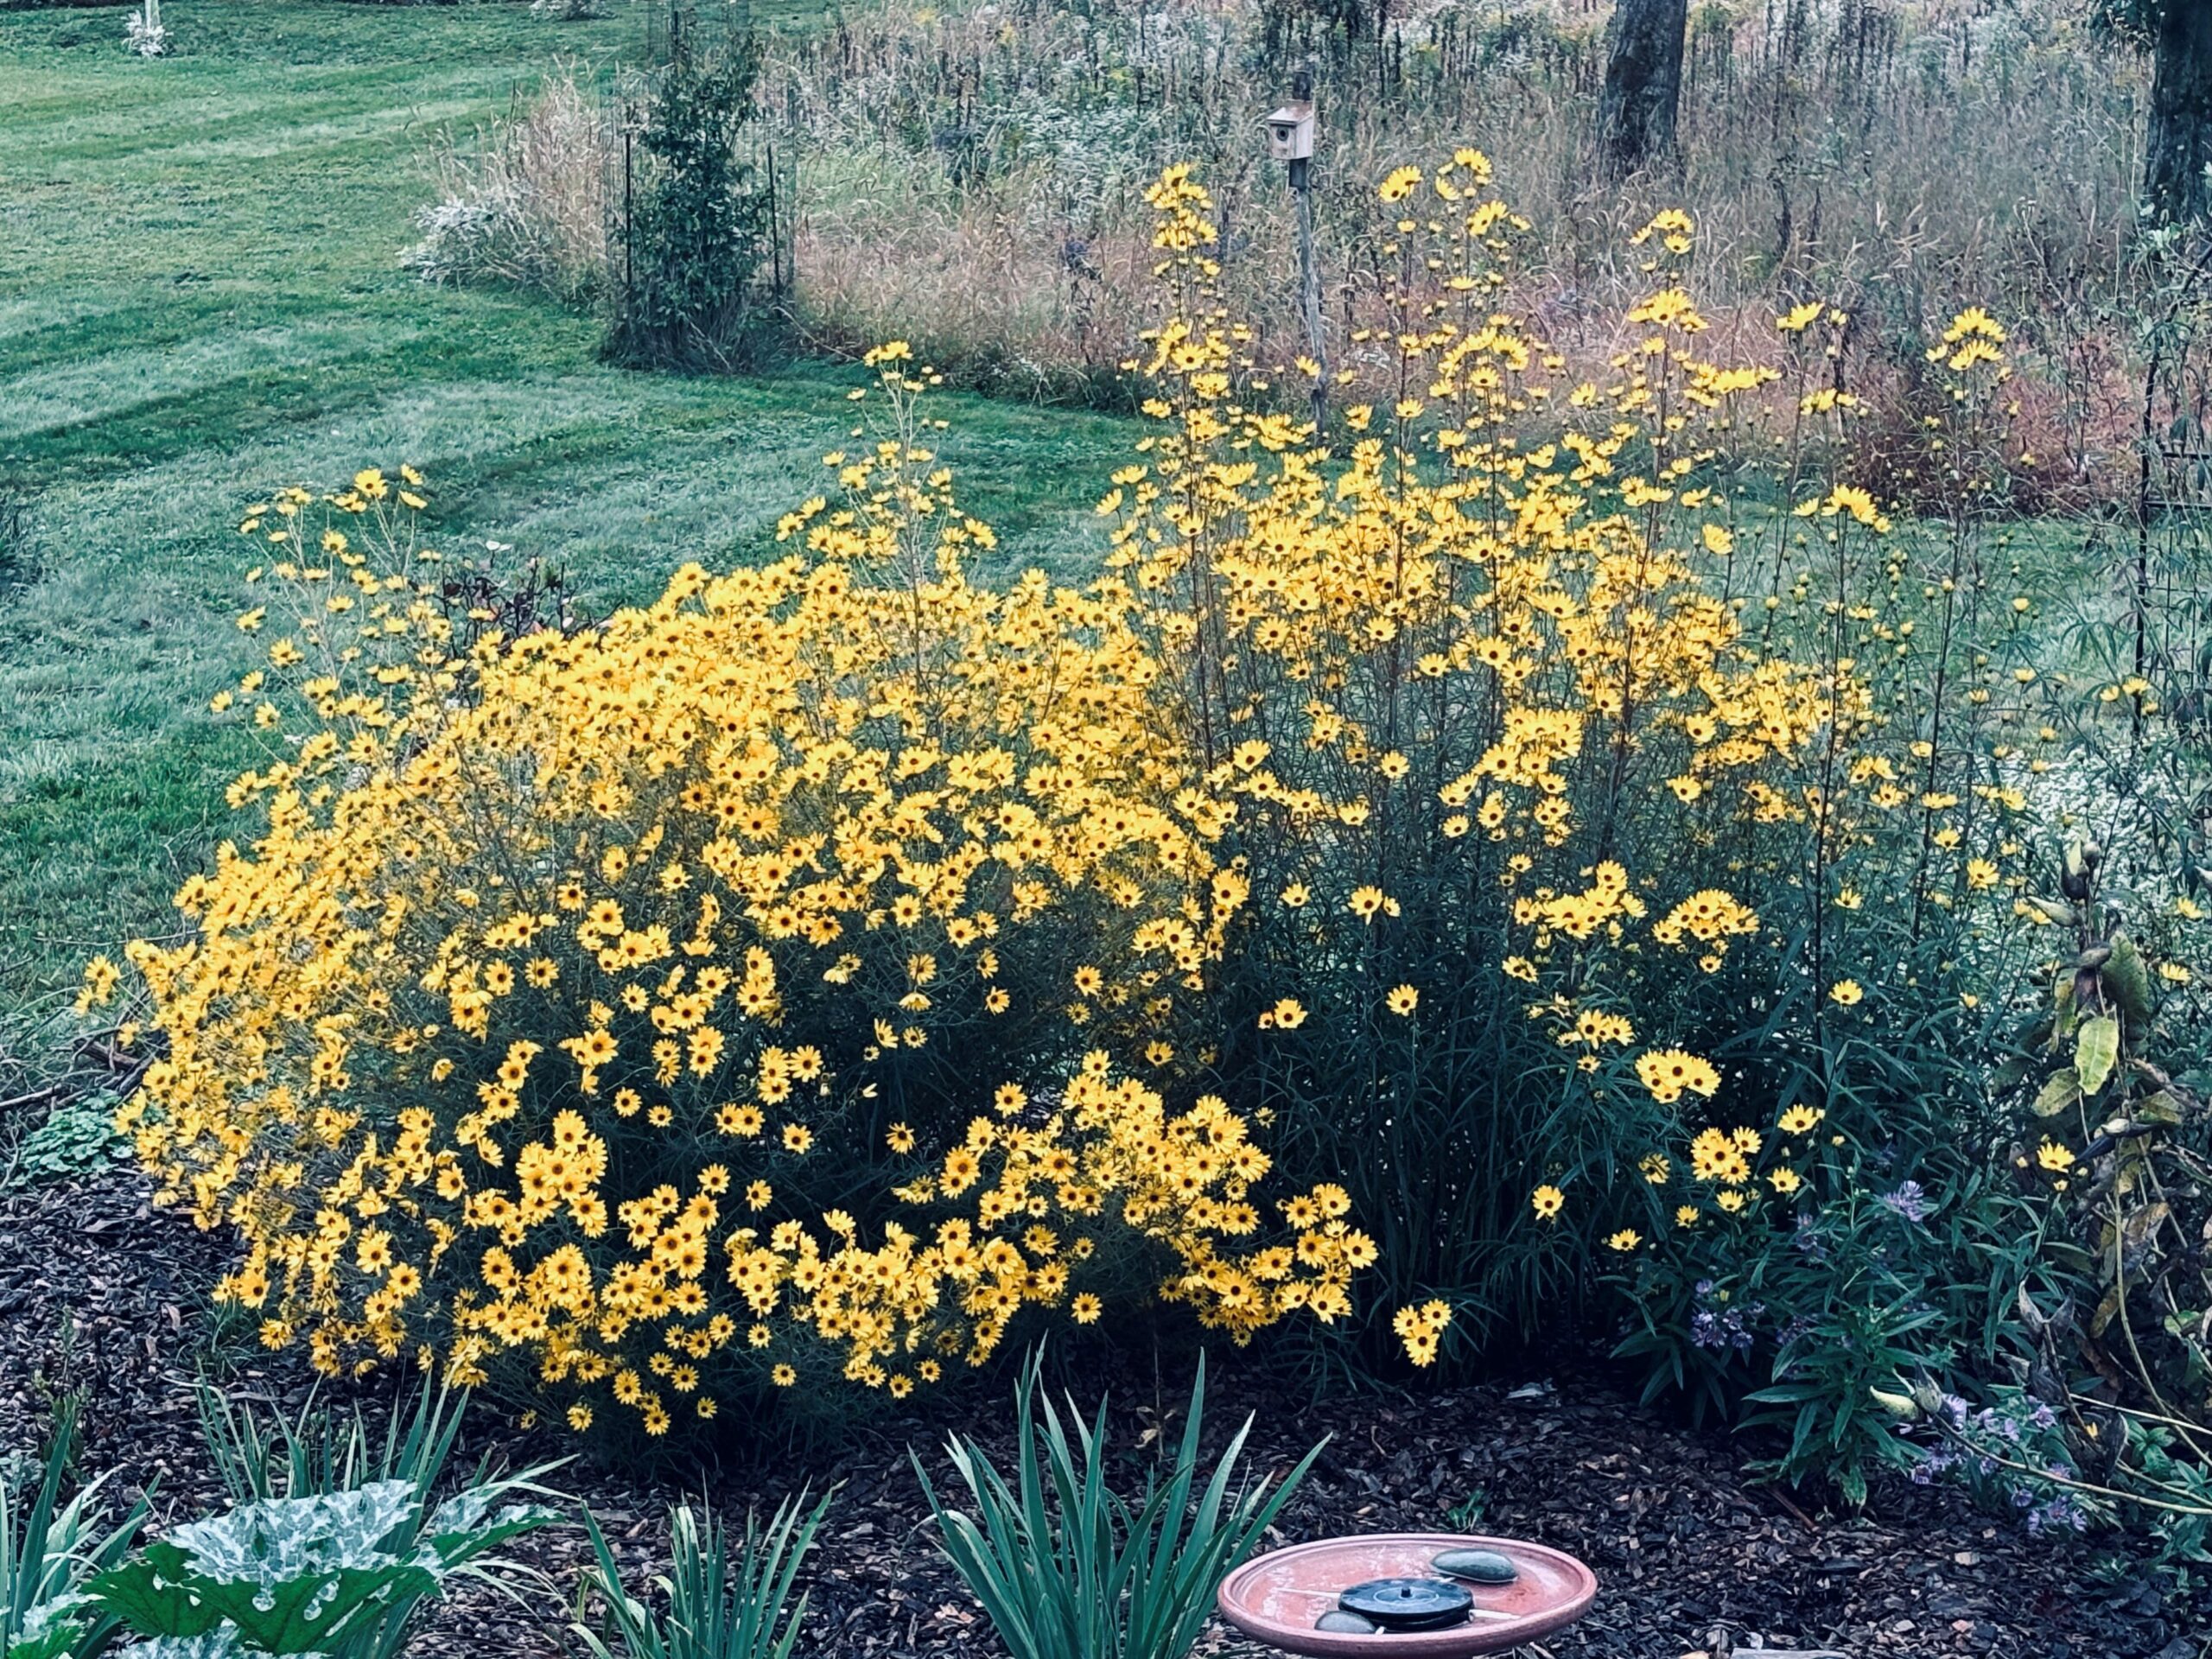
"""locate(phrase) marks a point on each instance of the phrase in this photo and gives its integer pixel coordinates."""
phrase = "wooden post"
(1309, 271)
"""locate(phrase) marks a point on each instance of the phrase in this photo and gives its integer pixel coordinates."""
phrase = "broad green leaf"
(152, 1595)
(2096, 1048)
(316, 1612)
(2061, 1090)
(2126, 979)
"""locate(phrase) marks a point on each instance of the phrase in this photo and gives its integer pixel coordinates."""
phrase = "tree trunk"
(1644, 82)
(2181, 112)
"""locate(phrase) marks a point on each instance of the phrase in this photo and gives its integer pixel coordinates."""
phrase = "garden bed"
(100, 1292)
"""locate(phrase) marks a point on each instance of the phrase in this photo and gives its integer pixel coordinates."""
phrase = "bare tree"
(1644, 82)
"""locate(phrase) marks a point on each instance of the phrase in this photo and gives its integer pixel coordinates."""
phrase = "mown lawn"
(200, 297)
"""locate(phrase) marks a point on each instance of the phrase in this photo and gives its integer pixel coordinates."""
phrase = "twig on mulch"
(36, 1097)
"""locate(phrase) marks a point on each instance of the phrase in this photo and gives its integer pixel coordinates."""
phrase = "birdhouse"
(1290, 133)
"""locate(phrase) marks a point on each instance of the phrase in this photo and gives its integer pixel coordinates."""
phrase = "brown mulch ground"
(99, 1292)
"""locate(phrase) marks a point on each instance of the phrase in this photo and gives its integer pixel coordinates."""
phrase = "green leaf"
(316, 1612)
(2096, 1048)
(2126, 977)
(2061, 1090)
(2161, 1108)
(152, 1594)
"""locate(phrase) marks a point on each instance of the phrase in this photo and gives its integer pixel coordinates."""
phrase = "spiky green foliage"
(47, 1549)
(726, 1599)
(1066, 1569)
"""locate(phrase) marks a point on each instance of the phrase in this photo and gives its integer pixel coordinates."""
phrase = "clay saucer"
(1276, 1598)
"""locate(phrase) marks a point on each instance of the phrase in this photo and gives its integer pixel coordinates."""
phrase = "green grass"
(200, 298)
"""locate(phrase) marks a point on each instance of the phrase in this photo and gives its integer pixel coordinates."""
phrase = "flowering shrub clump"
(584, 992)
(1526, 792)
(1590, 854)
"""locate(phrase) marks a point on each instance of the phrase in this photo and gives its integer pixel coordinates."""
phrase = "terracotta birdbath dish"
(1278, 1598)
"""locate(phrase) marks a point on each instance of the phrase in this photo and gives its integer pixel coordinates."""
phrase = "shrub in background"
(687, 279)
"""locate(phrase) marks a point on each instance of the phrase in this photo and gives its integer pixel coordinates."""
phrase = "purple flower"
(1909, 1201)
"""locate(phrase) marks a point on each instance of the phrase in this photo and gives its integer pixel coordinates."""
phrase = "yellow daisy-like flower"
(1419, 1328)
(1399, 185)
(1084, 1309)
(1546, 1201)
(1846, 992)
(1668, 1071)
(1403, 1000)
(2054, 1157)
(1625, 1241)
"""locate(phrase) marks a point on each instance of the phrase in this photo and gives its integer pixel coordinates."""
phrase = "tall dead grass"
(972, 179)
(523, 201)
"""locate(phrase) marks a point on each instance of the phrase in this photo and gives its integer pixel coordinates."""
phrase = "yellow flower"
(98, 988)
(1546, 1201)
(1419, 1328)
(1799, 1120)
(1403, 1000)
(2054, 1157)
(1667, 1072)
(1287, 1015)
(1624, 1241)
(1084, 1309)
(1845, 993)
(1400, 184)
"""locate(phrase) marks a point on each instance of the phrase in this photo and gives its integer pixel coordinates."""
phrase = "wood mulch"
(101, 1293)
